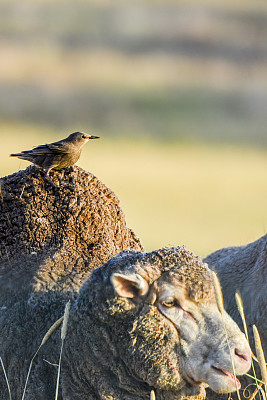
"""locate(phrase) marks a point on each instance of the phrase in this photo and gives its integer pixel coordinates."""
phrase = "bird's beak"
(94, 137)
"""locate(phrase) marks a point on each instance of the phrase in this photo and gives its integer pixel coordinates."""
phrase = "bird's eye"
(84, 136)
(169, 302)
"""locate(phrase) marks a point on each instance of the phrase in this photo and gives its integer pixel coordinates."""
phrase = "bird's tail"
(22, 156)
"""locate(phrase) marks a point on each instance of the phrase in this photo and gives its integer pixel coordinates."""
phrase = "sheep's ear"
(131, 286)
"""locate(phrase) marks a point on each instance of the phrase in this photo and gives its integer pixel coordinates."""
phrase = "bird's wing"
(48, 149)
(58, 147)
(36, 151)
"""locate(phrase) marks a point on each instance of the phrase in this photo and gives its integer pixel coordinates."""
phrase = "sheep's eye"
(169, 302)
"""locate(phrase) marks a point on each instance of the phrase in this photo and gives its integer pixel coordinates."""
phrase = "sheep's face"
(204, 354)
(179, 340)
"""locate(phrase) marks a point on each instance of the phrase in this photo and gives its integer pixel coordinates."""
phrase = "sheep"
(244, 269)
(141, 322)
(150, 321)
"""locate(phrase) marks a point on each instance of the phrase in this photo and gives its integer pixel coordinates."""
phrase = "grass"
(44, 340)
(63, 336)
(220, 305)
(6, 378)
(203, 196)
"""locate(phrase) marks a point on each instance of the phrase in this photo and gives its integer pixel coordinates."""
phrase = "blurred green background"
(177, 90)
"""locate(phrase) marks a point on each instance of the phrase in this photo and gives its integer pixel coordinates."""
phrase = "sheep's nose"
(243, 357)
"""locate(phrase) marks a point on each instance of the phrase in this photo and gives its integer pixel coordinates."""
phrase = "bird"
(57, 155)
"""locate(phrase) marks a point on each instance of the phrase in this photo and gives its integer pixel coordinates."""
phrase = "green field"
(203, 196)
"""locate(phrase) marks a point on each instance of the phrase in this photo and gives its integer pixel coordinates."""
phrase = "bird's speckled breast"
(68, 159)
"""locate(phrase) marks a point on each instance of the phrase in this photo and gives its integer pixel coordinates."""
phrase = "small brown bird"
(57, 155)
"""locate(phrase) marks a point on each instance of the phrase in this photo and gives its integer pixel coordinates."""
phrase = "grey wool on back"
(244, 269)
(50, 242)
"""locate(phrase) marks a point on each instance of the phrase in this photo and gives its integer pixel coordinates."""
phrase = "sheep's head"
(162, 312)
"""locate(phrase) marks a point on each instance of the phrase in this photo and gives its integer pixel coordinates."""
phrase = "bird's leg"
(47, 177)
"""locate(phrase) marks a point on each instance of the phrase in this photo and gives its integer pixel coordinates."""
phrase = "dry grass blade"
(45, 338)
(51, 330)
(152, 395)
(263, 394)
(260, 355)
(256, 391)
(63, 335)
(218, 292)
(240, 307)
(220, 305)
(8, 387)
(65, 321)
(255, 379)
